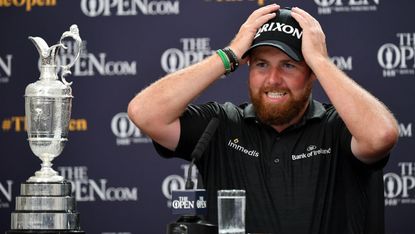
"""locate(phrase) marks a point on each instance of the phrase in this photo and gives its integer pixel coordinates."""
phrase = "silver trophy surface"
(45, 204)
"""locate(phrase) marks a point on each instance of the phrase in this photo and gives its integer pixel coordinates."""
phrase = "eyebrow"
(256, 59)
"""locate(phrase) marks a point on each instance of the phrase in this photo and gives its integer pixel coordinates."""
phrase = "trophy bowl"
(48, 122)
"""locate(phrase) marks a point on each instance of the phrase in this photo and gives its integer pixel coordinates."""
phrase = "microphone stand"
(188, 224)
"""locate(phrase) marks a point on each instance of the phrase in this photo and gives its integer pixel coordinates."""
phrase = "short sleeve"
(345, 144)
(192, 124)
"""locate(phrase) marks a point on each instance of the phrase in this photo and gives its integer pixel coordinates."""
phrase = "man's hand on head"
(314, 40)
(243, 39)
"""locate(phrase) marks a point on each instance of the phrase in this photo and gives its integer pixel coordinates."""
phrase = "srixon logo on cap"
(281, 27)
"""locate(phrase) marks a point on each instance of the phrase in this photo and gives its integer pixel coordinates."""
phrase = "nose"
(275, 77)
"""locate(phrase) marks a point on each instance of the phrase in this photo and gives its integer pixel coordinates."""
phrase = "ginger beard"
(281, 113)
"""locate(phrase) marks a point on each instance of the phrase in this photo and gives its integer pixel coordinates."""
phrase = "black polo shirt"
(304, 179)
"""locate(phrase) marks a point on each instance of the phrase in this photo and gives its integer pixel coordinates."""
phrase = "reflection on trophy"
(45, 204)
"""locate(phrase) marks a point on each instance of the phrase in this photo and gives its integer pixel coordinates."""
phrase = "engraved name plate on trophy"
(45, 204)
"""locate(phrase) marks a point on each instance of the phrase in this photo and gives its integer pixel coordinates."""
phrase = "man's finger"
(263, 11)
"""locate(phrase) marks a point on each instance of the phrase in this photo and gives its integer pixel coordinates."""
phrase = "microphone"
(205, 138)
(200, 148)
(191, 203)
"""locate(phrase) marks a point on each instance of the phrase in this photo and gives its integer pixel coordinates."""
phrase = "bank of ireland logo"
(126, 132)
(398, 59)
(399, 186)
(311, 148)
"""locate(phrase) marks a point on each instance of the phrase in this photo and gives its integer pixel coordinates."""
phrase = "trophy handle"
(73, 33)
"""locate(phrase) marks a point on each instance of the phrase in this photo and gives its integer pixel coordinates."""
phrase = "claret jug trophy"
(45, 204)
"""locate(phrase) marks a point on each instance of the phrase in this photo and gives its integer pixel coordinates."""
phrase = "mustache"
(275, 89)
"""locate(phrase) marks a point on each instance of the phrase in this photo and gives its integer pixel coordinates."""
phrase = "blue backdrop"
(120, 183)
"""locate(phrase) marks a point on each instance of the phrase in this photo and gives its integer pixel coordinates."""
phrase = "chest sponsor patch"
(311, 151)
(234, 144)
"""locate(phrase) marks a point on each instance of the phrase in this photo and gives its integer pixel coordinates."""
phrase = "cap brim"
(296, 55)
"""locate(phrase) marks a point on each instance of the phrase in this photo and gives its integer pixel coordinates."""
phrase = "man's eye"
(288, 65)
(261, 64)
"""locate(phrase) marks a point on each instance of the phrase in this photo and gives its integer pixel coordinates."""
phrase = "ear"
(313, 76)
(246, 60)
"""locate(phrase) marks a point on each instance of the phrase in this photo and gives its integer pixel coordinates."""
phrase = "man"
(306, 167)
